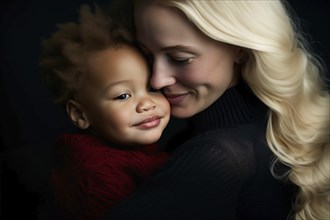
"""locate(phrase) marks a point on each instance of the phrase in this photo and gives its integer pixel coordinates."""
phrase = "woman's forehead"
(161, 25)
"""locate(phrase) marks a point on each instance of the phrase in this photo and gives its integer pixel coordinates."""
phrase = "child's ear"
(77, 114)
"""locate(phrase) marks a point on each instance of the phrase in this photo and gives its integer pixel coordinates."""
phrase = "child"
(94, 69)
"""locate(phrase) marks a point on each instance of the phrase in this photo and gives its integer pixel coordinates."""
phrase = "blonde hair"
(64, 55)
(287, 78)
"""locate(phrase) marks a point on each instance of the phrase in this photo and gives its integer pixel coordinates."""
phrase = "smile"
(176, 99)
(149, 123)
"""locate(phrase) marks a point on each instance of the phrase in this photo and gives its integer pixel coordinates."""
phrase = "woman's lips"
(148, 123)
(176, 99)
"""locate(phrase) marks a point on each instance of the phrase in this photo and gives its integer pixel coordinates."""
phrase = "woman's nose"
(145, 104)
(161, 76)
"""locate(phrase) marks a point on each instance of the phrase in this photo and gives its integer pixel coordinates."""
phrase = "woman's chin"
(179, 112)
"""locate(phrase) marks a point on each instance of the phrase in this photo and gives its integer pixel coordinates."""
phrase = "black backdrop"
(30, 121)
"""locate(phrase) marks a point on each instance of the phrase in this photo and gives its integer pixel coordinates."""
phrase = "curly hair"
(283, 73)
(64, 55)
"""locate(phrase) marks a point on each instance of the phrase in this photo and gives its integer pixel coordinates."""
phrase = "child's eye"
(123, 96)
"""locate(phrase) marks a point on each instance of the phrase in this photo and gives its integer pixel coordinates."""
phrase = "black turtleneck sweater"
(222, 172)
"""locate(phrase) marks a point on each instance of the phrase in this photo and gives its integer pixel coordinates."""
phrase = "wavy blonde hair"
(283, 73)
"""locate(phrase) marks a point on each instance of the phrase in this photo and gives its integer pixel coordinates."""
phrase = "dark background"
(30, 121)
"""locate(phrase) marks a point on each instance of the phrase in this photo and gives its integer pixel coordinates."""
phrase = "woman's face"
(192, 69)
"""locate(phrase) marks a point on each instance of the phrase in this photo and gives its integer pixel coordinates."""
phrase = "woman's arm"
(201, 181)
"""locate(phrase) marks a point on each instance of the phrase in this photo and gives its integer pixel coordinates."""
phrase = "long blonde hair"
(287, 78)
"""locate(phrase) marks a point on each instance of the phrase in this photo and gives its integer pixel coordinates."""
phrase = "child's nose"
(145, 104)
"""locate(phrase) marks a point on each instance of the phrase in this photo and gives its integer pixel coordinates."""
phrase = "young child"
(95, 70)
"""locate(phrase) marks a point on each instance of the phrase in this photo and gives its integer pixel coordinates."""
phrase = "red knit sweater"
(92, 177)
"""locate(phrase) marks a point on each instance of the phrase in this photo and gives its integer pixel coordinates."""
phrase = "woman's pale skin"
(115, 99)
(191, 69)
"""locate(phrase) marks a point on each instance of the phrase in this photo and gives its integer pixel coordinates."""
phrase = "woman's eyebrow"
(176, 47)
(168, 48)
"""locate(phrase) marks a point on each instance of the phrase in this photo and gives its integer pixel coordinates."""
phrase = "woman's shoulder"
(234, 139)
(227, 149)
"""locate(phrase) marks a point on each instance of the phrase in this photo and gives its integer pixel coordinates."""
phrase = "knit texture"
(221, 172)
(92, 177)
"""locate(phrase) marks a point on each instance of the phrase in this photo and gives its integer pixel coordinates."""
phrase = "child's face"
(117, 100)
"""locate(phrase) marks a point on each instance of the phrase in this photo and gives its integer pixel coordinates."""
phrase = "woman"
(242, 75)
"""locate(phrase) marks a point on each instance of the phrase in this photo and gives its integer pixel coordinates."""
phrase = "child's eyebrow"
(112, 84)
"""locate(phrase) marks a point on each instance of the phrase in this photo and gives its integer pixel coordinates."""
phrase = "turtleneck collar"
(237, 106)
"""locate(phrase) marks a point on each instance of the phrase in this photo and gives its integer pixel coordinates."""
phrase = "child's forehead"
(116, 55)
(116, 64)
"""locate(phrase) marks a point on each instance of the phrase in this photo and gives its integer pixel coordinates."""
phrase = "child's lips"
(149, 122)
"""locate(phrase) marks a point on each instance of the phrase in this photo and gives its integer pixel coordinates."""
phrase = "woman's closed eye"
(180, 60)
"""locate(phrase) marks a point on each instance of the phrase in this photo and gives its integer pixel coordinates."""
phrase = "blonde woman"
(243, 76)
